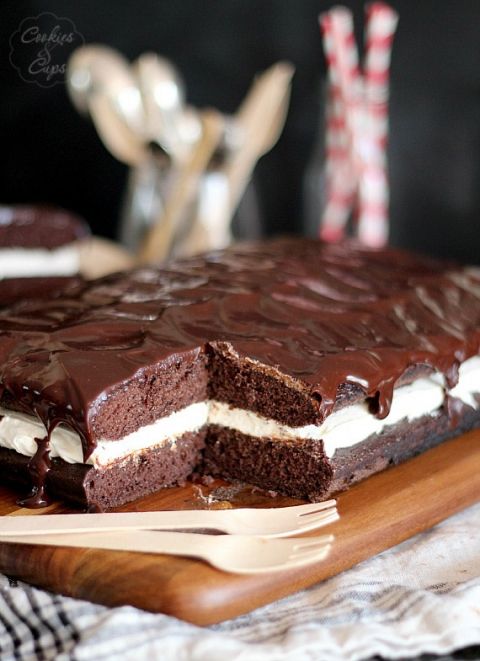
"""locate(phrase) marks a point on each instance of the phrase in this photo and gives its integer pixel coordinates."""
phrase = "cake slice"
(39, 250)
(290, 364)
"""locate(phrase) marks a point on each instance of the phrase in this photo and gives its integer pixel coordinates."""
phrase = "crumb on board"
(227, 497)
(211, 500)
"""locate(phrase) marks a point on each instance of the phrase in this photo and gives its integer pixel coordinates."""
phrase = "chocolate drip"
(455, 408)
(316, 316)
(38, 467)
(452, 374)
(39, 464)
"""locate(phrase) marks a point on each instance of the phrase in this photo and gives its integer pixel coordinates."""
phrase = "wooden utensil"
(236, 554)
(100, 83)
(117, 137)
(281, 522)
(100, 256)
(258, 124)
(163, 96)
(159, 239)
(260, 119)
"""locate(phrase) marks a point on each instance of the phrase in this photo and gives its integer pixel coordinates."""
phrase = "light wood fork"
(238, 554)
(271, 522)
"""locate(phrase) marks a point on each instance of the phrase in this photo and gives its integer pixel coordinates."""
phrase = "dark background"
(49, 153)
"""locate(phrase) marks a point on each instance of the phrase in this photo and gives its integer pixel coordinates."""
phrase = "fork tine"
(314, 524)
(303, 525)
(321, 519)
(314, 508)
(311, 556)
(306, 525)
(317, 521)
(312, 542)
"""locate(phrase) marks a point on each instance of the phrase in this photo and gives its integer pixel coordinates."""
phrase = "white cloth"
(423, 596)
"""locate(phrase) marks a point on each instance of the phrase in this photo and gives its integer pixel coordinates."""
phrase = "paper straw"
(381, 22)
(340, 179)
(343, 97)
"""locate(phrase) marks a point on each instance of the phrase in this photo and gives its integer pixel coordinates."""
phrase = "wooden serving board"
(376, 514)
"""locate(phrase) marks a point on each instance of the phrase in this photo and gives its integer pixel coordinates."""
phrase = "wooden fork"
(274, 522)
(238, 554)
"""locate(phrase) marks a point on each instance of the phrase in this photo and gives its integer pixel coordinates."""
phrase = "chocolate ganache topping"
(320, 315)
(39, 226)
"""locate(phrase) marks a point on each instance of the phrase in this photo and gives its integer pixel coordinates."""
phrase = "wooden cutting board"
(375, 515)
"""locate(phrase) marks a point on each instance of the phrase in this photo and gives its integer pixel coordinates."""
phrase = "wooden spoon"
(159, 239)
(260, 118)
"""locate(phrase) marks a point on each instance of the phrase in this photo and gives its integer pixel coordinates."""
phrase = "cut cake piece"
(290, 364)
(39, 251)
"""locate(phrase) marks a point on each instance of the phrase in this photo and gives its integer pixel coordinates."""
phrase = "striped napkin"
(421, 597)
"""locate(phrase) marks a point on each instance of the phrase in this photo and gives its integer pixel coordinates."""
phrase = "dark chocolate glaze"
(320, 315)
(39, 226)
(16, 289)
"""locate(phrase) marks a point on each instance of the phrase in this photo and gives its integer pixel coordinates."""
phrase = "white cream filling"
(18, 431)
(38, 262)
(343, 428)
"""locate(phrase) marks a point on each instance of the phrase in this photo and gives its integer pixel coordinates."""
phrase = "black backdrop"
(49, 153)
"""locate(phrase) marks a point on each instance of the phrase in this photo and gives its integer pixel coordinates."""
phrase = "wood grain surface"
(375, 515)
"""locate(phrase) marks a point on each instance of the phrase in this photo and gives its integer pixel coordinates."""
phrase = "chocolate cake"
(290, 364)
(39, 250)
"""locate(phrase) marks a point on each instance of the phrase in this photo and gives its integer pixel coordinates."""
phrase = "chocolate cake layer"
(291, 329)
(122, 482)
(291, 467)
(155, 392)
(241, 383)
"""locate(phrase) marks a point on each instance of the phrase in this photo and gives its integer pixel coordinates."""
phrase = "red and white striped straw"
(339, 178)
(344, 74)
(381, 22)
(357, 124)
